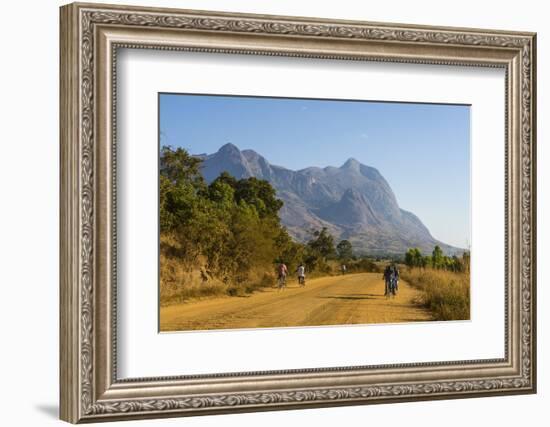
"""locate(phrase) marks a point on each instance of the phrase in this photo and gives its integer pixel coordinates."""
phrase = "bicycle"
(393, 287)
(281, 282)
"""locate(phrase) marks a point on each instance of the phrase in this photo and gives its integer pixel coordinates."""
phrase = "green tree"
(414, 258)
(344, 250)
(178, 166)
(228, 179)
(426, 261)
(409, 258)
(289, 252)
(438, 260)
(222, 193)
(322, 244)
(260, 194)
(179, 182)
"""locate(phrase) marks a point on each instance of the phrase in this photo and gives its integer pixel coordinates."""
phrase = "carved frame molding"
(90, 37)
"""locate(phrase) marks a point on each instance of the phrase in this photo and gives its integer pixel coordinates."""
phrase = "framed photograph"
(267, 212)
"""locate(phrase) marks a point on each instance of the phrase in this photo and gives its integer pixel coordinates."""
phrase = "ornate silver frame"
(90, 36)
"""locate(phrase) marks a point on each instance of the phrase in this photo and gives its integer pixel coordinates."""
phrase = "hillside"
(353, 201)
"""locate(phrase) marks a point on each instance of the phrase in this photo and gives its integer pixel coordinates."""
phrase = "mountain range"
(353, 202)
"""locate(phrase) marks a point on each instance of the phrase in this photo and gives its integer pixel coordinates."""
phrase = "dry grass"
(180, 282)
(445, 293)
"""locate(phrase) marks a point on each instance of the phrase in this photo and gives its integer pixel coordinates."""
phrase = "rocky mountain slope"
(353, 201)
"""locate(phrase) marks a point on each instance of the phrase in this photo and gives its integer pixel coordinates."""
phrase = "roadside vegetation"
(444, 282)
(225, 238)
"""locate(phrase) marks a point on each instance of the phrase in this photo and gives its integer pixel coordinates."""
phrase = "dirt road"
(339, 300)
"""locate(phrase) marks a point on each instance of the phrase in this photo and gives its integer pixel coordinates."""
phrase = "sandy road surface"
(339, 300)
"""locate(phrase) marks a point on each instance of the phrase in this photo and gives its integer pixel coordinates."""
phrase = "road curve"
(335, 300)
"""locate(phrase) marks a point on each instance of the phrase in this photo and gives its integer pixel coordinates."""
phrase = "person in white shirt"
(301, 270)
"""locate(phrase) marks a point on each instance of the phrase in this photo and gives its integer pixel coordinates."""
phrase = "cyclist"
(388, 273)
(282, 271)
(396, 277)
(301, 270)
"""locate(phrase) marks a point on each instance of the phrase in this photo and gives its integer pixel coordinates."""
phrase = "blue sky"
(423, 150)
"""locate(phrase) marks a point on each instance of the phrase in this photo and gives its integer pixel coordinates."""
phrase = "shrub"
(363, 265)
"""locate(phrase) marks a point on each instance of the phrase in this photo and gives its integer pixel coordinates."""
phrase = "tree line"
(230, 228)
(437, 260)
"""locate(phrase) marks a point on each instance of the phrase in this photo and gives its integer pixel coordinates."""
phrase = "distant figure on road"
(301, 271)
(282, 271)
(343, 268)
(396, 277)
(387, 277)
(390, 279)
